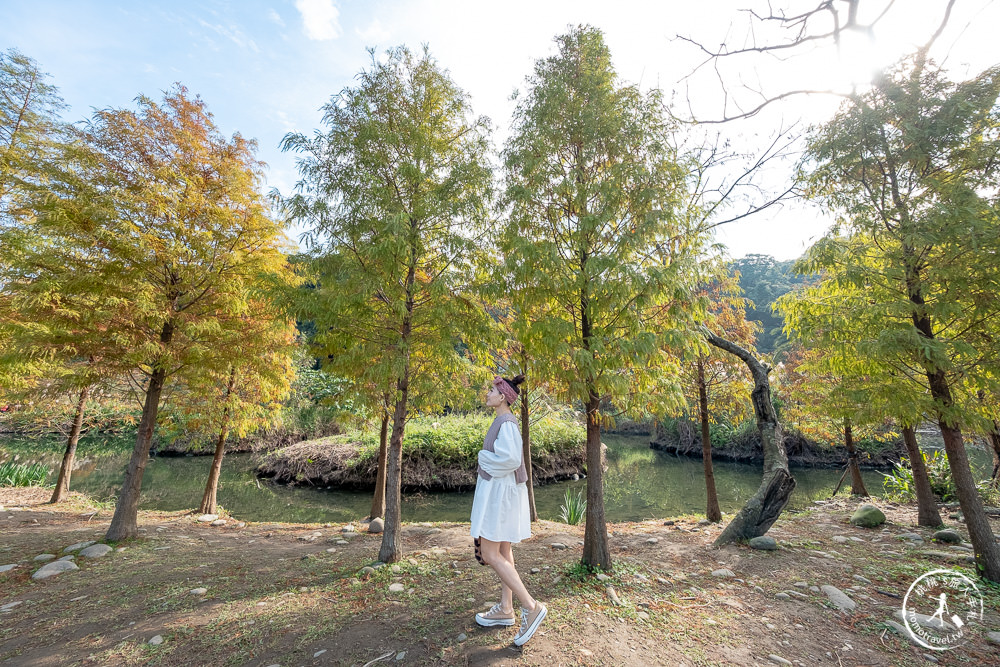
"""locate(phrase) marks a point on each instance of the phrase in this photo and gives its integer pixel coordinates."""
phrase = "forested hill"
(763, 279)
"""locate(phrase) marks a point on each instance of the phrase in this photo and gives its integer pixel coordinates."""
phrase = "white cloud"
(374, 34)
(275, 17)
(319, 19)
(233, 34)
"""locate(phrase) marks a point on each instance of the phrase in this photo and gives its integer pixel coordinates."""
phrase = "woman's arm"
(506, 457)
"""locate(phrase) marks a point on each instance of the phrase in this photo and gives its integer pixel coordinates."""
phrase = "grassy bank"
(438, 454)
(295, 594)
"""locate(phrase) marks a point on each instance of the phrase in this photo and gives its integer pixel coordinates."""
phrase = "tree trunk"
(765, 506)
(712, 511)
(123, 523)
(526, 446)
(391, 550)
(378, 501)
(927, 513)
(208, 499)
(596, 551)
(984, 544)
(995, 443)
(857, 483)
(66, 469)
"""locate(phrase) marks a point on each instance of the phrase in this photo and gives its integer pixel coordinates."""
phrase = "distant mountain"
(764, 279)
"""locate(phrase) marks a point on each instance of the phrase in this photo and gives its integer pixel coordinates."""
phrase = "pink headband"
(505, 389)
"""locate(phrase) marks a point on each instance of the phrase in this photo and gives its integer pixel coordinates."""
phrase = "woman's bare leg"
(506, 594)
(505, 570)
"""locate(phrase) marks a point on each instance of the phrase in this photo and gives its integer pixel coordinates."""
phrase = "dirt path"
(294, 594)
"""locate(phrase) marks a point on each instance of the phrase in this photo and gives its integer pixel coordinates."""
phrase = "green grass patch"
(13, 473)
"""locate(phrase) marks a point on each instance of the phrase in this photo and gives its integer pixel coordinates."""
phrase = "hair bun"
(516, 380)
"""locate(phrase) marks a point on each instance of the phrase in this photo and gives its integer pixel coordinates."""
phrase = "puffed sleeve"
(506, 457)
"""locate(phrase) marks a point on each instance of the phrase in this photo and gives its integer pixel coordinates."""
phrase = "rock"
(668, 523)
(926, 621)
(42, 558)
(868, 516)
(376, 525)
(603, 577)
(911, 537)
(535, 570)
(156, 640)
(219, 522)
(319, 653)
(69, 557)
(800, 584)
(96, 551)
(643, 616)
(7, 568)
(396, 588)
(947, 536)
(764, 543)
(796, 594)
(342, 542)
(864, 580)
(241, 524)
(653, 540)
(198, 591)
(367, 570)
(957, 557)
(782, 596)
(206, 518)
(77, 546)
(558, 546)
(901, 631)
(401, 655)
(54, 568)
(994, 637)
(814, 589)
(10, 605)
(839, 539)
(462, 637)
(777, 659)
(704, 522)
(839, 599)
(724, 573)
(930, 658)
(349, 528)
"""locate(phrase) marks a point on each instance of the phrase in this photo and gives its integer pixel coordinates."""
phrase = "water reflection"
(639, 484)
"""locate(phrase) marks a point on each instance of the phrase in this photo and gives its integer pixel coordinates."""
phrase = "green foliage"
(573, 509)
(763, 279)
(455, 440)
(898, 484)
(22, 474)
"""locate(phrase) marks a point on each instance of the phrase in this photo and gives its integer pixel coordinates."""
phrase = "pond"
(640, 483)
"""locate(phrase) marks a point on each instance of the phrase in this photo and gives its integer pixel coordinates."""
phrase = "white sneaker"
(530, 620)
(495, 616)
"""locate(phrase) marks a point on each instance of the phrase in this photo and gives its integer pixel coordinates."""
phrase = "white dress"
(500, 506)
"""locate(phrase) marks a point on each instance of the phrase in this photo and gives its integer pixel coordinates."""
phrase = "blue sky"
(265, 68)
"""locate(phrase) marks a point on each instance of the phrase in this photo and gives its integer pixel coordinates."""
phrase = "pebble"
(156, 640)
(401, 655)
(839, 599)
(96, 551)
(723, 573)
(782, 596)
(367, 570)
(10, 605)
(44, 557)
(839, 539)
(603, 577)
(559, 546)
(219, 522)
(342, 542)
(777, 659)
(207, 518)
(78, 545)
(858, 577)
(319, 653)
(69, 557)
(704, 522)
(800, 584)
(462, 637)
(7, 568)
(930, 658)
(642, 615)
(535, 570)
(54, 568)
(993, 637)
(653, 540)
(396, 588)
(198, 591)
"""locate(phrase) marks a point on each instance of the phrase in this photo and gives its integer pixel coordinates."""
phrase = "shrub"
(573, 508)
(22, 474)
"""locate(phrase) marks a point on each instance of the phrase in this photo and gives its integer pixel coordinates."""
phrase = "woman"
(500, 512)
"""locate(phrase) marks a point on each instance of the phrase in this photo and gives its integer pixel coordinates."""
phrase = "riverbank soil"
(266, 594)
